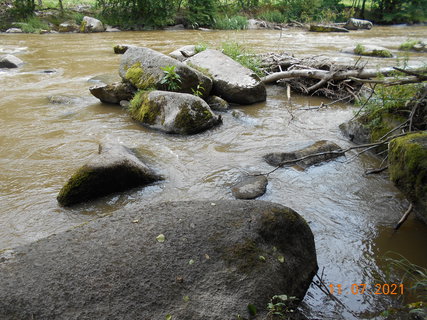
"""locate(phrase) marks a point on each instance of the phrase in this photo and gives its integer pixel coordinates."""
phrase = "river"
(42, 143)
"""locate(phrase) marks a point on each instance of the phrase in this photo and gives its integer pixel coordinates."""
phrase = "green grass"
(231, 23)
(34, 25)
(409, 44)
(67, 3)
(272, 16)
(243, 55)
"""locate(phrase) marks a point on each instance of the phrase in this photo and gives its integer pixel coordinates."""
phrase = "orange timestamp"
(363, 288)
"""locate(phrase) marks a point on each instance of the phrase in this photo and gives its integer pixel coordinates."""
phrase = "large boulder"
(313, 154)
(172, 112)
(180, 260)
(407, 162)
(357, 24)
(10, 61)
(114, 169)
(90, 24)
(114, 92)
(232, 81)
(142, 68)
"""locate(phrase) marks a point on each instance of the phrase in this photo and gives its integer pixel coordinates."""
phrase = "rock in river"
(172, 112)
(212, 261)
(232, 81)
(114, 92)
(326, 28)
(10, 61)
(250, 187)
(184, 52)
(142, 68)
(90, 24)
(357, 24)
(114, 169)
(330, 150)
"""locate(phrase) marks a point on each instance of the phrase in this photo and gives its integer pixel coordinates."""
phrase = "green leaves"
(171, 79)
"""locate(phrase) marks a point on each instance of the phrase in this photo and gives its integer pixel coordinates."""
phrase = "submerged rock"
(114, 92)
(250, 187)
(142, 68)
(114, 169)
(173, 112)
(10, 61)
(331, 150)
(326, 28)
(90, 24)
(369, 51)
(407, 161)
(232, 81)
(217, 104)
(215, 259)
(184, 52)
(357, 24)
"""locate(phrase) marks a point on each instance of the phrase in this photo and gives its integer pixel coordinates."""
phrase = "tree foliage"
(148, 13)
(397, 11)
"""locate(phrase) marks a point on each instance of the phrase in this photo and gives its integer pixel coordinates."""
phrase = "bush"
(34, 25)
(409, 44)
(233, 23)
(273, 16)
(201, 13)
(146, 13)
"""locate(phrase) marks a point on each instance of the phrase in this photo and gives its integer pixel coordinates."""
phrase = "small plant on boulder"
(171, 79)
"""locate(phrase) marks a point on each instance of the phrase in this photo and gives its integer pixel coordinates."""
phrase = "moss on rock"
(408, 168)
(144, 110)
(191, 118)
(138, 78)
(372, 52)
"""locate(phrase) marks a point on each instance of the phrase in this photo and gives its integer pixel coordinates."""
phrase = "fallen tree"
(321, 76)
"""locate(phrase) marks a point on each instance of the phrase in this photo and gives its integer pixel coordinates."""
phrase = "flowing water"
(42, 143)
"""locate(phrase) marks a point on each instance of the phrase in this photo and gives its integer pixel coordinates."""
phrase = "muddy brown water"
(42, 143)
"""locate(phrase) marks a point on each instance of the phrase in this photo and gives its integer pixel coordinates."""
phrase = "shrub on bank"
(231, 23)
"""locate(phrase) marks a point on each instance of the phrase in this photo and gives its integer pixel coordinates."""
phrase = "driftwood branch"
(374, 171)
(325, 75)
(405, 216)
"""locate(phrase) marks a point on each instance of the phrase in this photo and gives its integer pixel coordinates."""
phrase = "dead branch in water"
(405, 216)
(321, 76)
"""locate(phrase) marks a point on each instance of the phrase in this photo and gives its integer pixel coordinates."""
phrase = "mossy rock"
(372, 51)
(143, 68)
(408, 168)
(326, 28)
(114, 169)
(172, 112)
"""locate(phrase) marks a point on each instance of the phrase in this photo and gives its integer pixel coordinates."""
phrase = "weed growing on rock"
(171, 79)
